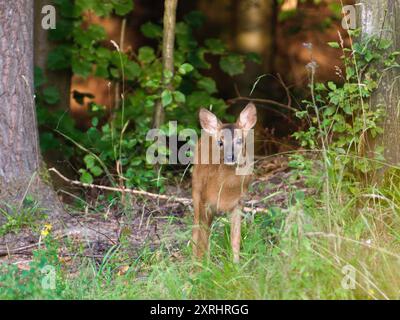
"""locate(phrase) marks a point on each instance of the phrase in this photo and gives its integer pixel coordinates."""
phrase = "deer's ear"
(209, 121)
(248, 117)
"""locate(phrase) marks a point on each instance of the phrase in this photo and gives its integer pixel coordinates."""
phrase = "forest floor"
(93, 232)
(295, 245)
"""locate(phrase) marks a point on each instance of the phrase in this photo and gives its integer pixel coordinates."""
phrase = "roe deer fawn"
(216, 187)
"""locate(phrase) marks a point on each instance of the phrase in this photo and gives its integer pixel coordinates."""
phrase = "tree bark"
(19, 146)
(381, 18)
(43, 46)
(168, 53)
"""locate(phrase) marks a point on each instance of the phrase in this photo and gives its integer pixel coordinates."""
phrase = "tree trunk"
(168, 53)
(381, 18)
(19, 146)
(255, 32)
(43, 46)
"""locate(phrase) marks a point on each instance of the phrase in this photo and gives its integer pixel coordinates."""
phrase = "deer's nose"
(229, 157)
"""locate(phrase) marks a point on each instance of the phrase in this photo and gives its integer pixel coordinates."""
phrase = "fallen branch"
(23, 249)
(126, 190)
(9, 252)
(184, 201)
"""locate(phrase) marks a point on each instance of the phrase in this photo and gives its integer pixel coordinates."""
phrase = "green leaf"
(195, 19)
(198, 99)
(81, 66)
(102, 70)
(63, 31)
(146, 55)
(332, 86)
(90, 161)
(216, 46)
(184, 37)
(95, 122)
(51, 95)
(179, 97)
(122, 7)
(369, 56)
(103, 53)
(59, 58)
(85, 38)
(253, 57)
(207, 84)
(96, 170)
(67, 9)
(385, 44)
(329, 111)
(100, 7)
(334, 45)
(136, 162)
(48, 142)
(132, 70)
(151, 30)
(114, 72)
(320, 87)
(232, 64)
(166, 98)
(197, 59)
(86, 177)
(336, 9)
(299, 196)
(185, 68)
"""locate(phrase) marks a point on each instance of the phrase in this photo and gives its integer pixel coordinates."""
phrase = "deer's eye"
(220, 143)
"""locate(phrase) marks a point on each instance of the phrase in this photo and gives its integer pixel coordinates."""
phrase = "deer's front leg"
(196, 226)
(203, 217)
(236, 220)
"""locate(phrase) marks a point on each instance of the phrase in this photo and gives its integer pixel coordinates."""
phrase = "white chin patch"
(230, 163)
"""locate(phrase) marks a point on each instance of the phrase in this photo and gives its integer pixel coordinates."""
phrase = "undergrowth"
(286, 254)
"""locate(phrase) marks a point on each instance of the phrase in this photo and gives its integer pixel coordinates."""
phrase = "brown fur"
(216, 188)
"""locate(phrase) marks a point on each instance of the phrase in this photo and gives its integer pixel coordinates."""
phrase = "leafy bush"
(341, 119)
(119, 145)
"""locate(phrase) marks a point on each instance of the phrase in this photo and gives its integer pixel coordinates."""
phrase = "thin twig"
(267, 101)
(93, 229)
(289, 97)
(184, 201)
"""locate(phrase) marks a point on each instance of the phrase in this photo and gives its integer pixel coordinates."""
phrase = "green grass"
(297, 253)
(15, 218)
